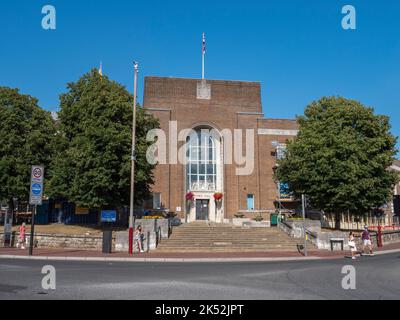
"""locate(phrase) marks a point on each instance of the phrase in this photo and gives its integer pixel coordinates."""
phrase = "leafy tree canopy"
(26, 139)
(341, 157)
(93, 165)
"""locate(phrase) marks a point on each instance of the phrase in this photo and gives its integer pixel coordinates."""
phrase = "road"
(376, 278)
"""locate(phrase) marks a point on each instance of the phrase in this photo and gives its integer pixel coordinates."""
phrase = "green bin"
(274, 220)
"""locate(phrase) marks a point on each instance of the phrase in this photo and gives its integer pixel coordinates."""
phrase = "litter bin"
(107, 241)
(274, 220)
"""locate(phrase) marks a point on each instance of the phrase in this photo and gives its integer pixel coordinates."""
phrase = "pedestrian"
(366, 238)
(22, 236)
(139, 238)
(352, 246)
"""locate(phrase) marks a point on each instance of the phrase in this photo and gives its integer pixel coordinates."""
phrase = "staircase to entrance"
(205, 237)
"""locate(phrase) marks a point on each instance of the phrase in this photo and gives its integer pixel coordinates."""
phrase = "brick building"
(394, 208)
(218, 113)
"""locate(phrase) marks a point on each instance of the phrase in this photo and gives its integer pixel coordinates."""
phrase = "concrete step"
(228, 240)
(225, 243)
(225, 250)
(201, 238)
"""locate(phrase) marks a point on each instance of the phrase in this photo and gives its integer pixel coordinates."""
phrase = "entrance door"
(202, 209)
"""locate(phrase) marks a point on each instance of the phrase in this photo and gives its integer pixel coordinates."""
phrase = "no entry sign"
(36, 194)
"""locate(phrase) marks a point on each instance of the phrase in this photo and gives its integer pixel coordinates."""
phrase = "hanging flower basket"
(218, 196)
(189, 199)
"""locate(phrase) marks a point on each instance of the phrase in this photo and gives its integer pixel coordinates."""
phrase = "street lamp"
(133, 158)
(275, 144)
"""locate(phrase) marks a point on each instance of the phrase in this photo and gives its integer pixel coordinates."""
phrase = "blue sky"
(296, 49)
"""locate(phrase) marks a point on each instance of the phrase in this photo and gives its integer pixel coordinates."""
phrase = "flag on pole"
(204, 43)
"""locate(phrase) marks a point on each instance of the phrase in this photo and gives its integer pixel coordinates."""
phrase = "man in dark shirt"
(366, 238)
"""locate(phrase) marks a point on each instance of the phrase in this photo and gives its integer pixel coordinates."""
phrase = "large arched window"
(201, 170)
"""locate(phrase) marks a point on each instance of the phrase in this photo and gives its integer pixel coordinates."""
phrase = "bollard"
(380, 242)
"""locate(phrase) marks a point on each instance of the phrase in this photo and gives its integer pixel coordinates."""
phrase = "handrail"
(310, 233)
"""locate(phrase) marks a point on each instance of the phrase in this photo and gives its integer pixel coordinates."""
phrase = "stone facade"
(82, 242)
(154, 230)
(228, 105)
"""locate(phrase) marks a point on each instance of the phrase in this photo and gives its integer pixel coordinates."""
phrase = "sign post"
(35, 198)
(303, 201)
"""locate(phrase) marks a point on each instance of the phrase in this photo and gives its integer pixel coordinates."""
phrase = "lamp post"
(275, 144)
(133, 159)
(303, 202)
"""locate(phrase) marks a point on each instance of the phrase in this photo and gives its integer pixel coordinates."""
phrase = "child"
(22, 236)
(352, 246)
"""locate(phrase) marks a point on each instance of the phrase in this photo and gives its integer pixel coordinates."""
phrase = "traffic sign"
(36, 193)
(37, 173)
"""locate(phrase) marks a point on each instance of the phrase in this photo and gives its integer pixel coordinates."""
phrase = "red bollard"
(130, 241)
(380, 242)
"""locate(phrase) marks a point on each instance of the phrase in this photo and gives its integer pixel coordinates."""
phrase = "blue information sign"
(36, 189)
(108, 216)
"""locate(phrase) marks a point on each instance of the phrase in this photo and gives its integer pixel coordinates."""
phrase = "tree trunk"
(10, 212)
(338, 218)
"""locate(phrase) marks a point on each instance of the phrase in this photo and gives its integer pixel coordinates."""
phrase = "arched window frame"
(201, 169)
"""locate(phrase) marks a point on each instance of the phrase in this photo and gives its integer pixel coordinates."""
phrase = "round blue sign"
(36, 189)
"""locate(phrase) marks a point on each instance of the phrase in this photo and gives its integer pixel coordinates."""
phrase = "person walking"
(139, 238)
(352, 246)
(22, 236)
(366, 238)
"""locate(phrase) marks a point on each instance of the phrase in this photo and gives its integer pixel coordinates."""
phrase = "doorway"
(202, 210)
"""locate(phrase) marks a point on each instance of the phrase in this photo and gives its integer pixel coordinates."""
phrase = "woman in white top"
(352, 246)
(139, 238)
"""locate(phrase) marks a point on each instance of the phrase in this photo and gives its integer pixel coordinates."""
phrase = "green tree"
(26, 139)
(341, 157)
(93, 165)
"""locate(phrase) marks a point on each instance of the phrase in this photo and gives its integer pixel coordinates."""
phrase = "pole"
(203, 56)
(303, 198)
(203, 72)
(279, 201)
(31, 242)
(133, 159)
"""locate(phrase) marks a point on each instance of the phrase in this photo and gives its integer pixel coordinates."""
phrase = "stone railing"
(154, 231)
(388, 237)
(322, 237)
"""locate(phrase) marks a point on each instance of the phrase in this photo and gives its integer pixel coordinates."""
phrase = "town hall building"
(221, 116)
(210, 185)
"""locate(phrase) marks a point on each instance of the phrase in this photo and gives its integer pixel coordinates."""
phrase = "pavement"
(374, 278)
(85, 255)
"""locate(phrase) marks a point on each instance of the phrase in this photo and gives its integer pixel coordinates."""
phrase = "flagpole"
(203, 67)
(203, 55)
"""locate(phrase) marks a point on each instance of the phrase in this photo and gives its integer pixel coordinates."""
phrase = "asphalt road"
(376, 278)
